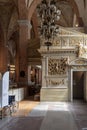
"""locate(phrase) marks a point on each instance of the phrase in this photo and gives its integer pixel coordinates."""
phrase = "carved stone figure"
(81, 50)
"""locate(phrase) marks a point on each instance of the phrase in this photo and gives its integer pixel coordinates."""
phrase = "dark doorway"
(78, 85)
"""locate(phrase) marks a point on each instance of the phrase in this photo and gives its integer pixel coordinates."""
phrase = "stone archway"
(77, 65)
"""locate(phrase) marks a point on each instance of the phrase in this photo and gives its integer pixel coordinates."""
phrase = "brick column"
(3, 52)
(24, 35)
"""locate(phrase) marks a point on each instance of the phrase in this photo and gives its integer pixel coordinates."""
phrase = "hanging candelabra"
(49, 15)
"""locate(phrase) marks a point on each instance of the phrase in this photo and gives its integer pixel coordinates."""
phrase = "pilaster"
(44, 71)
(26, 24)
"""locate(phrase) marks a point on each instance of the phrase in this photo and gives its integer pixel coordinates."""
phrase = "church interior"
(43, 64)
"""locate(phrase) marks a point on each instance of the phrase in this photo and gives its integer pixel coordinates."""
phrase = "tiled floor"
(25, 107)
(58, 117)
(79, 111)
(47, 116)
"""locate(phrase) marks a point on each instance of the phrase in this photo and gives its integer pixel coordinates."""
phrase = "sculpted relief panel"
(67, 41)
(56, 82)
(57, 66)
(67, 38)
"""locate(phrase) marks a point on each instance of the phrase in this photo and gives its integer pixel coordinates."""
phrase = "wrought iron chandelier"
(49, 15)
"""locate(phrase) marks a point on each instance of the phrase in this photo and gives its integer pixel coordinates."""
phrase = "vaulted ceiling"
(9, 13)
(72, 13)
(69, 15)
(8, 16)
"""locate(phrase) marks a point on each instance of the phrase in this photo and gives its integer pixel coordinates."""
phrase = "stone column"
(24, 35)
(47, 66)
(4, 58)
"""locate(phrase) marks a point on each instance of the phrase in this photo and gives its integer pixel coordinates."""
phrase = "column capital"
(25, 23)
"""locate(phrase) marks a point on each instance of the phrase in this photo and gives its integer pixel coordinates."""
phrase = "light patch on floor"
(58, 117)
(58, 107)
(39, 110)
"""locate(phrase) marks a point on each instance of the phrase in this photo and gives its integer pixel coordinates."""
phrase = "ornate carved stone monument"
(68, 46)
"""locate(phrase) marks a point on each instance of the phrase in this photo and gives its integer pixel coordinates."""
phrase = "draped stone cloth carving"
(12, 47)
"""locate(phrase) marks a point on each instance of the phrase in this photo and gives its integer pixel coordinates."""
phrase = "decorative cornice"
(25, 22)
(57, 51)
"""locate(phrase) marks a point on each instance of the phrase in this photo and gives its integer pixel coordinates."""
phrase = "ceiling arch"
(34, 4)
(67, 7)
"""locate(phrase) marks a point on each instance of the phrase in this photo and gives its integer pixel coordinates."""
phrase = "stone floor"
(79, 112)
(47, 116)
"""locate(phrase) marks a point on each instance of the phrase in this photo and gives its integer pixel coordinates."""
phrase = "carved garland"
(57, 82)
(79, 67)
